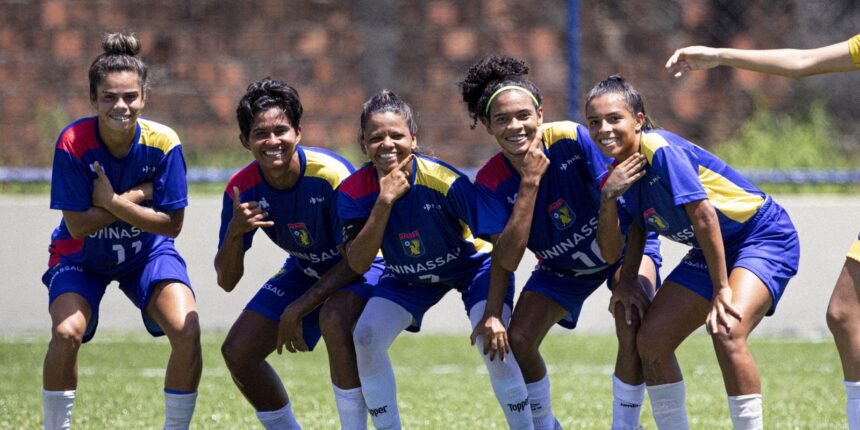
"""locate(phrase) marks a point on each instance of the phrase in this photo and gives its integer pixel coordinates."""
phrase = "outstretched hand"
(692, 58)
(249, 215)
(623, 176)
(494, 335)
(721, 310)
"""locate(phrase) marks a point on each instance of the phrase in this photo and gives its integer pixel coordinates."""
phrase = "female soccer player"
(744, 251)
(288, 191)
(541, 192)
(120, 181)
(843, 313)
(419, 211)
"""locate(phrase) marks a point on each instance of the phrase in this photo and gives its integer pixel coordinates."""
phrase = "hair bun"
(121, 44)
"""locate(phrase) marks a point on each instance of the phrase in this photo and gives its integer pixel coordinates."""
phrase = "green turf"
(442, 384)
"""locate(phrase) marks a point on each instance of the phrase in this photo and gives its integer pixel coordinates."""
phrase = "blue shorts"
(770, 250)
(136, 283)
(289, 284)
(570, 290)
(418, 298)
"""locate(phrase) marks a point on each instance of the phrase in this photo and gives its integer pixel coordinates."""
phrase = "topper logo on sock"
(376, 411)
(519, 406)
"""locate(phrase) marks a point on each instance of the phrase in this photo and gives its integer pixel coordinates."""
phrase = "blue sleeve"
(169, 186)
(71, 183)
(595, 162)
(336, 224)
(461, 200)
(350, 209)
(226, 216)
(492, 212)
(680, 169)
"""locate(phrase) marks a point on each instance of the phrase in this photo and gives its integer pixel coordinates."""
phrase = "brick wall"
(203, 53)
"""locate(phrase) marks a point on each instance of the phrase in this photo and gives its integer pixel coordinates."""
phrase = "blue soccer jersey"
(563, 235)
(155, 156)
(428, 238)
(305, 216)
(679, 172)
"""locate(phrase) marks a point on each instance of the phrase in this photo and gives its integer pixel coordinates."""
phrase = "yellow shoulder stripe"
(326, 167)
(649, 143)
(556, 131)
(730, 199)
(435, 176)
(157, 135)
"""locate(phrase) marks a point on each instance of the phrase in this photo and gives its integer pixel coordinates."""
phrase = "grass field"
(441, 380)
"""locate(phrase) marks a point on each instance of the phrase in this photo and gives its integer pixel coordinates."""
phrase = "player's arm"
(290, 327)
(793, 63)
(230, 259)
(706, 226)
(83, 223)
(491, 328)
(627, 290)
(362, 250)
(511, 243)
(148, 219)
(610, 239)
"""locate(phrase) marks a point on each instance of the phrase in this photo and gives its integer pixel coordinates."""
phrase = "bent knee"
(67, 336)
(730, 343)
(522, 343)
(651, 347)
(337, 321)
(842, 318)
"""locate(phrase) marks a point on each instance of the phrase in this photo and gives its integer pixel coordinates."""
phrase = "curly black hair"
(488, 75)
(264, 95)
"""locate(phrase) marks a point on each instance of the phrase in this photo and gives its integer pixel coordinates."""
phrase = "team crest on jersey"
(412, 244)
(301, 234)
(655, 220)
(561, 214)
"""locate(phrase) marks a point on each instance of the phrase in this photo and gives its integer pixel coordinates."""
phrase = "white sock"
(351, 408)
(58, 408)
(178, 409)
(746, 412)
(541, 404)
(280, 419)
(667, 405)
(627, 404)
(852, 405)
(377, 327)
(505, 377)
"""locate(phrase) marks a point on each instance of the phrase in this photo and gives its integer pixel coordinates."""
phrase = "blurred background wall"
(203, 53)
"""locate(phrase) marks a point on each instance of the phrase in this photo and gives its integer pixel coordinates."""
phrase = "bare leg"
(173, 307)
(533, 316)
(337, 321)
(70, 314)
(251, 339)
(843, 318)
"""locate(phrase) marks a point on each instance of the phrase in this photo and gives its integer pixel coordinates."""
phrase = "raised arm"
(81, 224)
(361, 251)
(148, 219)
(230, 259)
(793, 63)
(620, 179)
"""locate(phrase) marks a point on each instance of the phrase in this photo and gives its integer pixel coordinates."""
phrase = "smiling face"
(613, 126)
(387, 140)
(118, 102)
(513, 120)
(272, 140)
